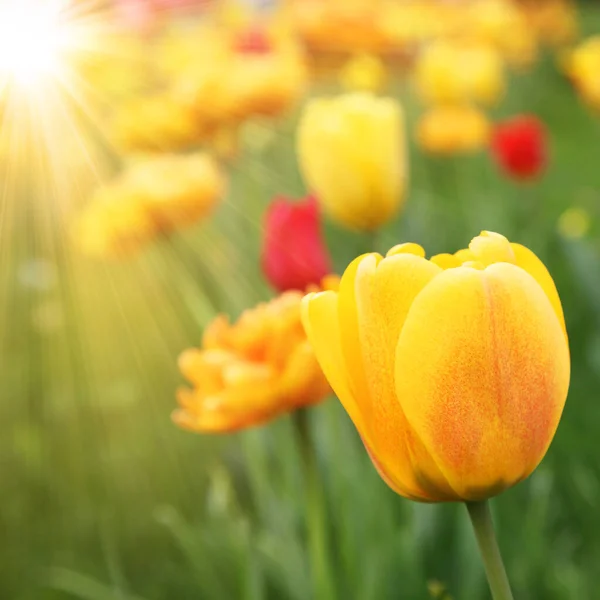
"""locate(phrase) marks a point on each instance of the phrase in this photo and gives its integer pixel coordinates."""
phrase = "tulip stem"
(371, 238)
(481, 518)
(315, 509)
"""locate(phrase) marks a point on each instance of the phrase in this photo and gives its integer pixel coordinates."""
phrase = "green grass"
(104, 499)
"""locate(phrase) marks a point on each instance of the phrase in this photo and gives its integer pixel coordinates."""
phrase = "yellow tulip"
(177, 190)
(554, 21)
(363, 73)
(409, 25)
(235, 85)
(454, 370)
(352, 154)
(457, 72)
(267, 84)
(453, 130)
(505, 26)
(157, 124)
(583, 66)
(150, 197)
(341, 26)
(115, 224)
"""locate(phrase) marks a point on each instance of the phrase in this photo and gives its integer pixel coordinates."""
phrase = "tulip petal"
(407, 248)
(302, 382)
(320, 320)
(482, 373)
(384, 293)
(446, 261)
(490, 247)
(348, 326)
(528, 261)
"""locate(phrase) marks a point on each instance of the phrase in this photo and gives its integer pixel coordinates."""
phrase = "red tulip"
(253, 41)
(520, 146)
(294, 254)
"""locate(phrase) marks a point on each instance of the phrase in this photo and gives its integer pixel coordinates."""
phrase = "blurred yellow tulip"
(157, 124)
(453, 130)
(352, 154)
(244, 81)
(114, 225)
(503, 25)
(176, 190)
(267, 84)
(363, 73)
(252, 371)
(582, 65)
(411, 24)
(340, 25)
(554, 21)
(151, 197)
(454, 370)
(119, 74)
(459, 72)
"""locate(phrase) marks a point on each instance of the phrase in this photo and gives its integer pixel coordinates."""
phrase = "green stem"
(481, 519)
(315, 509)
(371, 239)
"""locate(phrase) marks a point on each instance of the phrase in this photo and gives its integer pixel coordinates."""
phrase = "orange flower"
(251, 371)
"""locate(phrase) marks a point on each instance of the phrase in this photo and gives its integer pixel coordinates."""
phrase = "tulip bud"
(352, 154)
(294, 254)
(519, 146)
(454, 370)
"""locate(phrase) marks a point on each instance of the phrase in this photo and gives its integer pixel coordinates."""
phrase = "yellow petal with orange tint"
(320, 320)
(348, 328)
(526, 259)
(384, 294)
(482, 372)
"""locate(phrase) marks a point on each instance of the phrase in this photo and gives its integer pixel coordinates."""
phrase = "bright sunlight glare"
(32, 40)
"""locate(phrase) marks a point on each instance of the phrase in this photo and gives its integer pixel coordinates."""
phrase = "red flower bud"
(520, 146)
(294, 254)
(253, 41)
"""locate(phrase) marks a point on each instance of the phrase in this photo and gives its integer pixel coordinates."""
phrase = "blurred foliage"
(104, 499)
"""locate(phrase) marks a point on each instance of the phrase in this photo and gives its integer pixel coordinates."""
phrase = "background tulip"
(520, 146)
(352, 154)
(454, 370)
(363, 73)
(250, 372)
(453, 130)
(294, 254)
(582, 65)
(154, 196)
(448, 72)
